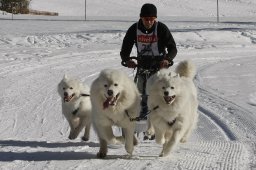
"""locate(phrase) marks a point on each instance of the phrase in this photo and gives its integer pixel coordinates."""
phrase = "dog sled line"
(139, 118)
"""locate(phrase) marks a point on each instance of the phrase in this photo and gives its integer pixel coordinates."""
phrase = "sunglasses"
(149, 18)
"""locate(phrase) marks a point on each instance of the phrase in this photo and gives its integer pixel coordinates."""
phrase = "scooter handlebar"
(136, 58)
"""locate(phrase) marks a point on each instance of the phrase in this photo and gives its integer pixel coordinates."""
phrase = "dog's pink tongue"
(66, 99)
(106, 103)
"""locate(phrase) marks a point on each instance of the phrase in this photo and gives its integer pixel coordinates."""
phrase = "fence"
(214, 11)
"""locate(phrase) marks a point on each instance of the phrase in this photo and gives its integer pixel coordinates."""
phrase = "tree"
(15, 6)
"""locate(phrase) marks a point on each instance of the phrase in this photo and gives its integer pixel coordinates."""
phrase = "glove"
(164, 64)
(131, 64)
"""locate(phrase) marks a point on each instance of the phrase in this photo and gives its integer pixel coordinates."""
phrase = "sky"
(36, 51)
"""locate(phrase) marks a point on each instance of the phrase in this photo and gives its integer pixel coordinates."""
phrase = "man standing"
(155, 45)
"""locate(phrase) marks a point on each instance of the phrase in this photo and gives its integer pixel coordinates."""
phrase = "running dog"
(115, 100)
(173, 103)
(76, 106)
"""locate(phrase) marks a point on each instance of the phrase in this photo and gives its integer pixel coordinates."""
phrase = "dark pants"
(141, 81)
(141, 84)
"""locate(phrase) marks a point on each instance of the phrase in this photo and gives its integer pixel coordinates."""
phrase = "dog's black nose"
(166, 93)
(65, 94)
(110, 92)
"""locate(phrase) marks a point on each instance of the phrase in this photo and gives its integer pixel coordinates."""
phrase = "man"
(152, 38)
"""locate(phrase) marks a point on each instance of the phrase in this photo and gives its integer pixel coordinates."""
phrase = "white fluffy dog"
(173, 103)
(115, 99)
(76, 106)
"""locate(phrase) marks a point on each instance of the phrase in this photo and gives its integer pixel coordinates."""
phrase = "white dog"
(76, 106)
(115, 100)
(173, 103)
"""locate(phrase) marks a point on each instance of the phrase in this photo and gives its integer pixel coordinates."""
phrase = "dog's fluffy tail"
(186, 68)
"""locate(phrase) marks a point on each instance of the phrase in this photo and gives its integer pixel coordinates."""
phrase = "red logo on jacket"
(147, 38)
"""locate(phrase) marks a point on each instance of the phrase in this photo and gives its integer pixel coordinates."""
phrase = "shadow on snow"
(44, 155)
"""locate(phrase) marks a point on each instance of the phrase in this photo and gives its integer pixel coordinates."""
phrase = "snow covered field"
(34, 55)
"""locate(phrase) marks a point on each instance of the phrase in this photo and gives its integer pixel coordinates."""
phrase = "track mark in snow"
(211, 155)
(207, 130)
(252, 99)
(226, 113)
(230, 135)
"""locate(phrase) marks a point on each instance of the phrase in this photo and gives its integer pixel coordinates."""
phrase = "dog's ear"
(158, 73)
(177, 76)
(65, 76)
(172, 74)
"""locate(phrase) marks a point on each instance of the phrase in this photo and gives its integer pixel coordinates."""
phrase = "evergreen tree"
(15, 6)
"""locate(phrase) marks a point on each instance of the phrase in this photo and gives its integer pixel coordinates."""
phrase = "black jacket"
(165, 40)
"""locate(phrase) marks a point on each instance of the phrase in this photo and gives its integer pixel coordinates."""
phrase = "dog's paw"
(101, 155)
(149, 135)
(135, 141)
(150, 132)
(163, 154)
(129, 149)
(85, 138)
(73, 135)
(128, 156)
(160, 141)
(183, 140)
(119, 140)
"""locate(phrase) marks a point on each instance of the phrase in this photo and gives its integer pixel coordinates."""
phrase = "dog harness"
(171, 123)
(84, 95)
(141, 117)
(76, 110)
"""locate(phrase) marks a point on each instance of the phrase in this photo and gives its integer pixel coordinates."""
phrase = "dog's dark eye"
(71, 88)
(163, 87)
(105, 85)
(172, 87)
(64, 88)
(115, 84)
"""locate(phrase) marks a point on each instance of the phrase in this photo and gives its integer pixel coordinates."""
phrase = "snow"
(35, 54)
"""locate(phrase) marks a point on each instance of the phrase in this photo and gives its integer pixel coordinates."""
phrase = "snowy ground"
(34, 55)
